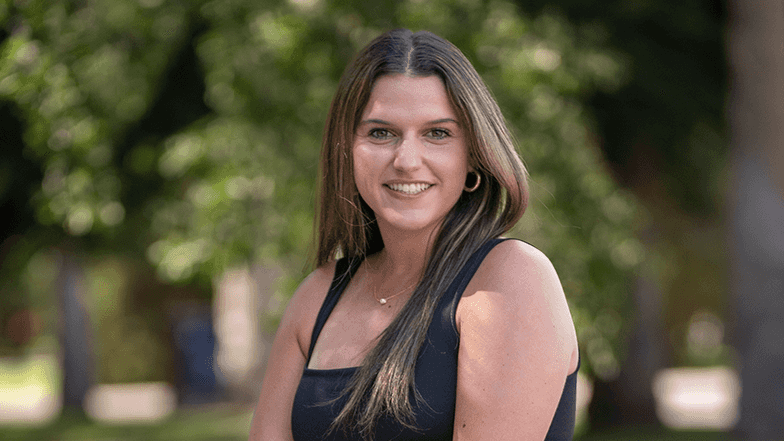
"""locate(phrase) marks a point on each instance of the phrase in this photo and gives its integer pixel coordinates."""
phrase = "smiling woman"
(420, 322)
(410, 154)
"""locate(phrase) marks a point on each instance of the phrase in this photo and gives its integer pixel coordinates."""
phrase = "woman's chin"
(409, 223)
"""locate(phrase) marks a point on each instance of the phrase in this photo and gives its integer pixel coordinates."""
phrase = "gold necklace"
(384, 300)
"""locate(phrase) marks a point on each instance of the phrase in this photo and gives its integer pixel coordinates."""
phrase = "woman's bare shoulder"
(516, 334)
(521, 281)
(303, 307)
(313, 288)
(513, 261)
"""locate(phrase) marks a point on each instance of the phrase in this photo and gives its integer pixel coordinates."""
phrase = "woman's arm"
(517, 346)
(272, 418)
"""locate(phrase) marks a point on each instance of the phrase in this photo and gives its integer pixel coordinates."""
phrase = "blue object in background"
(195, 345)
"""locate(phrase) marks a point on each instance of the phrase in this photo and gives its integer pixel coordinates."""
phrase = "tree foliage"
(188, 132)
(668, 120)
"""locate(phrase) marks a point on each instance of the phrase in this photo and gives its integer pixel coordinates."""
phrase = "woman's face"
(410, 153)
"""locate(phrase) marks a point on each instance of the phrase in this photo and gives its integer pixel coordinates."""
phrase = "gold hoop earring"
(477, 181)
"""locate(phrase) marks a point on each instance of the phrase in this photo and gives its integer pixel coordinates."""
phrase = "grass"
(232, 423)
(214, 423)
(653, 434)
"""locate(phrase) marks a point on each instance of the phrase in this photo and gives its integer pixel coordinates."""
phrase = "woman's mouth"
(409, 188)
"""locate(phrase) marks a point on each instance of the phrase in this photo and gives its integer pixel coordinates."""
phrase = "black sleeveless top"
(435, 375)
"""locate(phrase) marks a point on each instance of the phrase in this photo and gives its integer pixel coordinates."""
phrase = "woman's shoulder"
(512, 258)
(313, 289)
(319, 278)
(519, 284)
(516, 333)
(305, 303)
(519, 272)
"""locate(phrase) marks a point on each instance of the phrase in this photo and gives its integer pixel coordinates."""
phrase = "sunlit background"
(158, 178)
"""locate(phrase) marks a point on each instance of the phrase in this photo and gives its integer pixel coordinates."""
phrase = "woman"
(420, 323)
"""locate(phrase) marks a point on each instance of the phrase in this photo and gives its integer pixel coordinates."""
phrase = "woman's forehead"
(401, 95)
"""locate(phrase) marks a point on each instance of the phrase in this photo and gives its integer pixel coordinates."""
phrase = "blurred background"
(158, 162)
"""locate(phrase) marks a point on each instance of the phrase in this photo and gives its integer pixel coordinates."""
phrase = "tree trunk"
(75, 336)
(756, 210)
(628, 400)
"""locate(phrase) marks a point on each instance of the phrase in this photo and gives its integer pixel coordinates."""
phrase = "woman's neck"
(404, 254)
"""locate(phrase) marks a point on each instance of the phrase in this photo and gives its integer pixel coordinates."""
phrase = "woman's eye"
(439, 133)
(380, 134)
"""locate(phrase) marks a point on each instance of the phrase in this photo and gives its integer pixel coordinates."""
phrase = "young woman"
(420, 322)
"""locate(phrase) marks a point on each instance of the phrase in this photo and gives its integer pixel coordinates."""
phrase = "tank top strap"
(344, 270)
(467, 272)
(460, 282)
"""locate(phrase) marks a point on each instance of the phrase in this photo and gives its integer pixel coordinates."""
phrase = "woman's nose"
(408, 154)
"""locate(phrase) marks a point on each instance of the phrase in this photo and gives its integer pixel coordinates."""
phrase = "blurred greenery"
(664, 134)
(188, 133)
(666, 124)
(131, 341)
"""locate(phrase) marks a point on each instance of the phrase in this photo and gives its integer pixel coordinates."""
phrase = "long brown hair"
(347, 227)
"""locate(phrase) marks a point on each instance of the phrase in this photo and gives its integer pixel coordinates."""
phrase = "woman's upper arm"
(517, 346)
(272, 417)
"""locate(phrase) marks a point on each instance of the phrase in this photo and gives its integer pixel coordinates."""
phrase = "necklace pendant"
(383, 301)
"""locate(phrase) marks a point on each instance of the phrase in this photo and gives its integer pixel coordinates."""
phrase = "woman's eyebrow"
(375, 121)
(387, 123)
(442, 121)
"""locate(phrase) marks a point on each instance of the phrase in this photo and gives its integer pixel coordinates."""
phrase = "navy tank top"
(435, 375)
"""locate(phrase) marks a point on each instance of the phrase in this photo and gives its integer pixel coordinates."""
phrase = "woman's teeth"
(409, 188)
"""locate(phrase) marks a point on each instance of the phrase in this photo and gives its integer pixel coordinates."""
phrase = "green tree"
(188, 132)
(663, 133)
